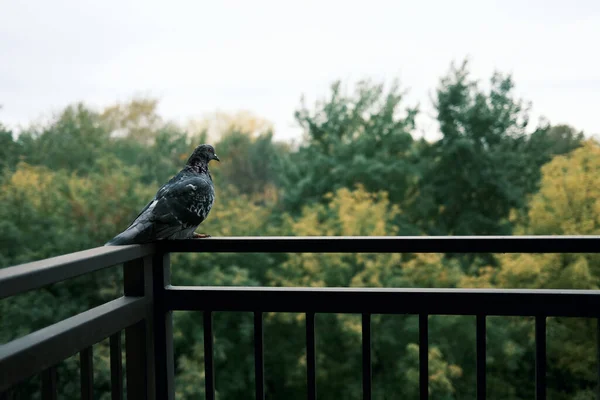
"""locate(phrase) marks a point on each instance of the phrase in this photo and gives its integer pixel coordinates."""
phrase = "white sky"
(201, 56)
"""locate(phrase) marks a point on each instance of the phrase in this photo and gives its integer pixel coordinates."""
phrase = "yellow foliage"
(485, 278)
(441, 373)
(357, 213)
(96, 205)
(137, 119)
(568, 203)
(29, 182)
(237, 214)
(348, 213)
(215, 125)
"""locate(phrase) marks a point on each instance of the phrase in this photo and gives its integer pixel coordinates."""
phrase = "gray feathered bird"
(178, 207)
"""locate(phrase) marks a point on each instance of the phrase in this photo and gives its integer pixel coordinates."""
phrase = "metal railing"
(145, 310)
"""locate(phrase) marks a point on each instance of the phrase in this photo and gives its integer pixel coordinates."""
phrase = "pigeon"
(178, 207)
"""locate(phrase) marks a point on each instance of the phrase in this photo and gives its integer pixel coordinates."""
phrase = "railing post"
(163, 329)
(139, 338)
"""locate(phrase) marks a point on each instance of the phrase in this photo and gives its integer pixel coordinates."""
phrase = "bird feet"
(201, 235)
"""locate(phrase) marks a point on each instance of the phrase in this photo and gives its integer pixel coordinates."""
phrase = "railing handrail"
(386, 244)
(21, 278)
(34, 275)
(48, 346)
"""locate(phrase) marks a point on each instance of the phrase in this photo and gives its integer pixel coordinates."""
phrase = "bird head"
(203, 154)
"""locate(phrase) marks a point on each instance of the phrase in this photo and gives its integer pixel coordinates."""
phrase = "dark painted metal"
(145, 311)
(423, 357)
(139, 343)
(387, 244)
(24, 277)
(598, 359)
(7, 395)
(21, 358)
(163, 330)
(209, 363)
(49, 388)
(135, 361)
(540, 357)
(566, 303)
(116, 367)
(86, 359)
(259, 364)
(311, 360)
(366, 356)
(481, 356)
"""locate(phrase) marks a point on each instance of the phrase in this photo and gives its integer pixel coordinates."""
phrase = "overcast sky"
(201, 56)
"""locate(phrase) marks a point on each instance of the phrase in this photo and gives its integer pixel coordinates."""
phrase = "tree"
(10, 151)
(362, 139)
(249, 163)
(74, 141)
(479, 170)
(137, 119)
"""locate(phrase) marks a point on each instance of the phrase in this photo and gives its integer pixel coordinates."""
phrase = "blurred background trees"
(74, 182)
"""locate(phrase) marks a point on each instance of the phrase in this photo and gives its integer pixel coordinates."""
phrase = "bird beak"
(216, 158)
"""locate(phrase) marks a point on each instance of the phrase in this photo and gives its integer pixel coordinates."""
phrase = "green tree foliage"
(9, 150)
(251, 162)
(74, 182)
(479, 170)
(74, 141)
(349, 139)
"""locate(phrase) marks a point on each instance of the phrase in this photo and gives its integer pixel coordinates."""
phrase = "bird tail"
(137, 233)
(118, 240)
(124, 238)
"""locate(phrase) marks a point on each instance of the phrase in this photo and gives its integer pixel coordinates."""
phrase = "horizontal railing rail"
(500, 302)
(48, 346)
(37, 274)
(145, 311)
(386, 244)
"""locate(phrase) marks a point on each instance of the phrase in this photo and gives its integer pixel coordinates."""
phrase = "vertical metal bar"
(7, 395)
(135, 361)
(481, 357)
(598, 358)
(540, 357)
(209, 363)
(366, 356)
(116, 367)
(86, 361)
(259, 365)
(311, 364)
(163, 329)
(423, 357)
(139, 343)
(49, 389)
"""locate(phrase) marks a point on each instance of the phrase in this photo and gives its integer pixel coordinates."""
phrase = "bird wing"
(180, 204)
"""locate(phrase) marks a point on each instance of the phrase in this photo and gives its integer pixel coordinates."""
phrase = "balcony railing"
(145, 310)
